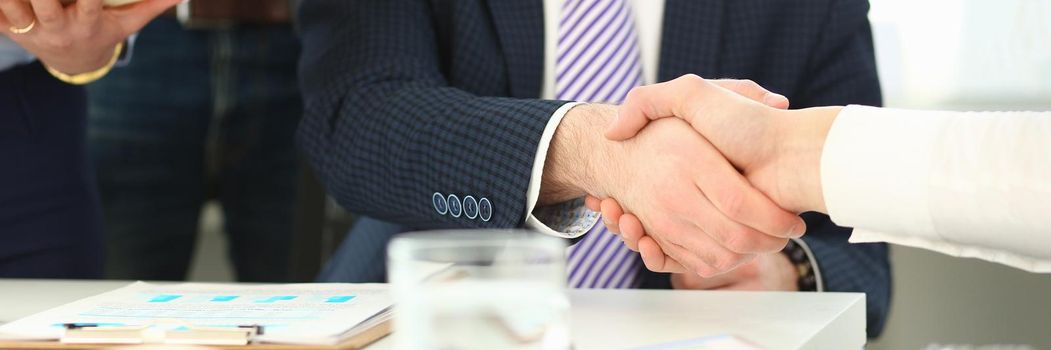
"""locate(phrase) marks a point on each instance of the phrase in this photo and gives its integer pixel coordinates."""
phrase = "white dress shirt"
(964, 184)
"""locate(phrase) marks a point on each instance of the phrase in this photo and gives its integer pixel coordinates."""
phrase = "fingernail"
(798, 230)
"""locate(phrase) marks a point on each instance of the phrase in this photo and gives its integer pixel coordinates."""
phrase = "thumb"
(630, 116)
(652, 102)
(753, 91)
(135, 16)
(676, 98)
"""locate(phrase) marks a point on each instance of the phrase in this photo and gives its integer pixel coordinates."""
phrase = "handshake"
(696, 175)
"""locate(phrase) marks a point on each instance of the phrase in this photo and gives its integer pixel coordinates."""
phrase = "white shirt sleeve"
(567, 220)
(964, 184)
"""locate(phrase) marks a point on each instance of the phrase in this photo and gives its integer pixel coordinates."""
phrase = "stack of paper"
(321, 314)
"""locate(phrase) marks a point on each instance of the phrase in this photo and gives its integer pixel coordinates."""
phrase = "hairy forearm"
(577, 149)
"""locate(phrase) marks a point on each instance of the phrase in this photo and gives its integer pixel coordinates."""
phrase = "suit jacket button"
(454, 206)
(439, 203)
(485, 209)
(470, 207)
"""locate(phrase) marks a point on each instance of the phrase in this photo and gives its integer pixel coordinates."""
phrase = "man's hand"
(676, 182)
(75, 38)
(768, 272)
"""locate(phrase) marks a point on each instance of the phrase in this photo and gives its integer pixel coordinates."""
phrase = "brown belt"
(229, 12)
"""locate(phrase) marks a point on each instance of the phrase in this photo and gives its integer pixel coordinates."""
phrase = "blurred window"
(964, 54)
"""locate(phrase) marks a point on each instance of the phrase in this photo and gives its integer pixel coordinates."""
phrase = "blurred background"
(932, 54)
(978, 55)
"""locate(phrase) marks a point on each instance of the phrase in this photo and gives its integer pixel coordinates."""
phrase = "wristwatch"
(797, 254)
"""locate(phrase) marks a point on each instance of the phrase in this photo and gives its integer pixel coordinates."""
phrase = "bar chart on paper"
(273, 305)
(307, 313)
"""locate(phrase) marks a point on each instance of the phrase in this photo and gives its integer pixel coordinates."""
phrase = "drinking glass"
(479, 289)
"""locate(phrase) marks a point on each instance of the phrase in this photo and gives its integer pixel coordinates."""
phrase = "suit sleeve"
(846, 267)
(388, 135)
(842, 71)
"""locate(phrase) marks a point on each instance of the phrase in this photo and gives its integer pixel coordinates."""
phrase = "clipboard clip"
(171, 332)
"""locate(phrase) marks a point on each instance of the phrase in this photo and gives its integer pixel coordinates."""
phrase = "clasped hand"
(752, 168)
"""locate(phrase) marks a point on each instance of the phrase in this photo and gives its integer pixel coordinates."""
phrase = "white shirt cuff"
(567, 220)
(879, 161)
(955, 183)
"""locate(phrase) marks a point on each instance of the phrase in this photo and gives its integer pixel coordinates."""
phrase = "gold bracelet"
(89, 77)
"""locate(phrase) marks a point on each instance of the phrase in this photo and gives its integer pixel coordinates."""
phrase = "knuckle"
(60, 42)
(81, 35)
(663, 228)
(90, 10)
(668, 234)
(738, 241)
(732, 204)
(725, 263)
(704, 271)
(688, 80)
(49, 17)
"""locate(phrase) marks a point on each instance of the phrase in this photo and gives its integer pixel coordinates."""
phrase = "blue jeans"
(198, 114)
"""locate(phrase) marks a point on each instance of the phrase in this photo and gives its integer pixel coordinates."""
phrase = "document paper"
(319, 314)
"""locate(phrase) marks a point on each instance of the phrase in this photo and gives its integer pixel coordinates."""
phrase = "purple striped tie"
(598, 61)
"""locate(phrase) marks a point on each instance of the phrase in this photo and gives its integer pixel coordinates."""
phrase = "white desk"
(605, 319)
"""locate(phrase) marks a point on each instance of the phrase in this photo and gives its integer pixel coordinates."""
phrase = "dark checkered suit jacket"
(406, 98)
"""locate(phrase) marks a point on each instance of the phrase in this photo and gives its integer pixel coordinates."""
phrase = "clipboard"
(359, 341)
(225, 316)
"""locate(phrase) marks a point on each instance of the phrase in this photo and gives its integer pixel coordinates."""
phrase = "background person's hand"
(75, 38)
